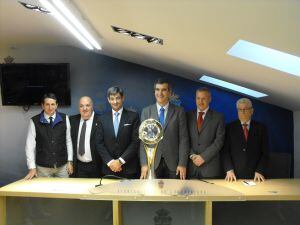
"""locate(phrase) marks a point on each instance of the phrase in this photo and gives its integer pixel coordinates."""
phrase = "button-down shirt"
(119, 118)
(87, 156)
(30, 147)
(166, 107)
(205, 111)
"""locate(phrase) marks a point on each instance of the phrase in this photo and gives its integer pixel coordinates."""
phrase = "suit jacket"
(245, 158)
(125, 145)
(207, 143)
(75, 122)
(174, 145)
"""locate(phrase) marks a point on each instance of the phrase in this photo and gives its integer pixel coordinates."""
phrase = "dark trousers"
(163, 172)
(87, 170)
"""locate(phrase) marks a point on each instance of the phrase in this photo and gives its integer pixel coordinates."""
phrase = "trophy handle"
(150, 153)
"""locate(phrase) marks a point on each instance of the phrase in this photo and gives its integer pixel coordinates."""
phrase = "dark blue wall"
(137, 81)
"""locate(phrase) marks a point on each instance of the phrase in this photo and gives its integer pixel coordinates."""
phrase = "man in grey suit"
(207, 132)
(172, 151)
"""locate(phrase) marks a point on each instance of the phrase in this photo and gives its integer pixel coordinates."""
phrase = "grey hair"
(244, 101)
(115, 90)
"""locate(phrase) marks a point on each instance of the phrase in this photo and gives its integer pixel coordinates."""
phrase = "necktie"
(51, 121)
(200, 120)
(116, 123)
(81, 148)
(162, 116)
(246, 132)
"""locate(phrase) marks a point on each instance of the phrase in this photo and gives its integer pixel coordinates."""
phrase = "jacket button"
(244, 149)
(53, 153)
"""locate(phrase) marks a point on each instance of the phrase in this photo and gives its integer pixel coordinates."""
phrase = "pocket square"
(127, 124)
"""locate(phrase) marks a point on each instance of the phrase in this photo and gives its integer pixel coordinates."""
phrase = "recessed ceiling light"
(148, 38)
(231, 86)
(266, 56)
(34, 7)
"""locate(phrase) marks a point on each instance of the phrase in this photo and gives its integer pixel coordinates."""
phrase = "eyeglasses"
(244, 110)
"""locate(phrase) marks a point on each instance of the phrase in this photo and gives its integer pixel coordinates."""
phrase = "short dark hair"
(115, 90)
(204, 89)
(48, 95)
(163, 80)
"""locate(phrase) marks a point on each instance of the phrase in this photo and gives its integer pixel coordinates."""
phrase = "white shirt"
(205, 111)
(87, 156)
(30, 147)
(248, 124)
(166, 107)
(119, 118)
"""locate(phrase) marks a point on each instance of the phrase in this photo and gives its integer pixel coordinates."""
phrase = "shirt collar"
(91, 117)
(248, 123)
(120, 111)
(165, 106)
(205, 111)
(47, 116)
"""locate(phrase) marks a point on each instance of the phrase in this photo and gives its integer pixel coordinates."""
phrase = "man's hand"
(197, 160)
(115, 166)
(31, 174)
(70, 168)
(181, 170)
(144, 172)
(230, 176)
(259, 177)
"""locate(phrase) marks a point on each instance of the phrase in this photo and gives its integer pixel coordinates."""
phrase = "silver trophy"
(150, 133)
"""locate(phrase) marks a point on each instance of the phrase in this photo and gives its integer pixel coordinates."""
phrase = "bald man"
(84, 132)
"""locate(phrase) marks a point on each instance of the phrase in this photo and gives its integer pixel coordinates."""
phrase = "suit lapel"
(94, 126)
(153, 112)
(122, 121)
(76, 131)
(206, 120)
(170, 113)
(240, 132)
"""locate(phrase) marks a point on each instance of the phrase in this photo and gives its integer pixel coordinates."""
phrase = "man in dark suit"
(172, 151)
(84, 132)
(246, 146)
(119, 139)
(207, 132)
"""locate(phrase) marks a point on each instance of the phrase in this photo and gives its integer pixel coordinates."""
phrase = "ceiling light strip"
(66, 24)
(231, 86)
(68, 14)
(266, 56)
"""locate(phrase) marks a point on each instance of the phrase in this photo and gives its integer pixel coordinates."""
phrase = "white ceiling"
(196, 34)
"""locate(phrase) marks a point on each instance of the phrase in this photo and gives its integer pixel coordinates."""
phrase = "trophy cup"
(150, 133)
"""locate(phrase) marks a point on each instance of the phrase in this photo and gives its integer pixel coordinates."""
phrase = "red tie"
(200, 120)
(246, 132)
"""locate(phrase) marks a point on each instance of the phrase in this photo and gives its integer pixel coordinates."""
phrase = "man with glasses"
(246, 146)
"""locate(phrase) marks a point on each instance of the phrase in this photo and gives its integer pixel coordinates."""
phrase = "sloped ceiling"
(196, 33)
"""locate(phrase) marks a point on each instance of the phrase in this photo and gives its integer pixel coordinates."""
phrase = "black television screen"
(25, 84)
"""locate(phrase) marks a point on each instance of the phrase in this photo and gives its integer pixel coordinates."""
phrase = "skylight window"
(231, 86)
(266, 56)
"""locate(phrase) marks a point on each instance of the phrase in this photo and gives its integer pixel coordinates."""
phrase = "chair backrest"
(279, 165)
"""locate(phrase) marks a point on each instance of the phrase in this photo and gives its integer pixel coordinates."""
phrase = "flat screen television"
(24, 84)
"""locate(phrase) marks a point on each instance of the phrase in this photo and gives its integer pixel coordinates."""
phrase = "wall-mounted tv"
(25, 83)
